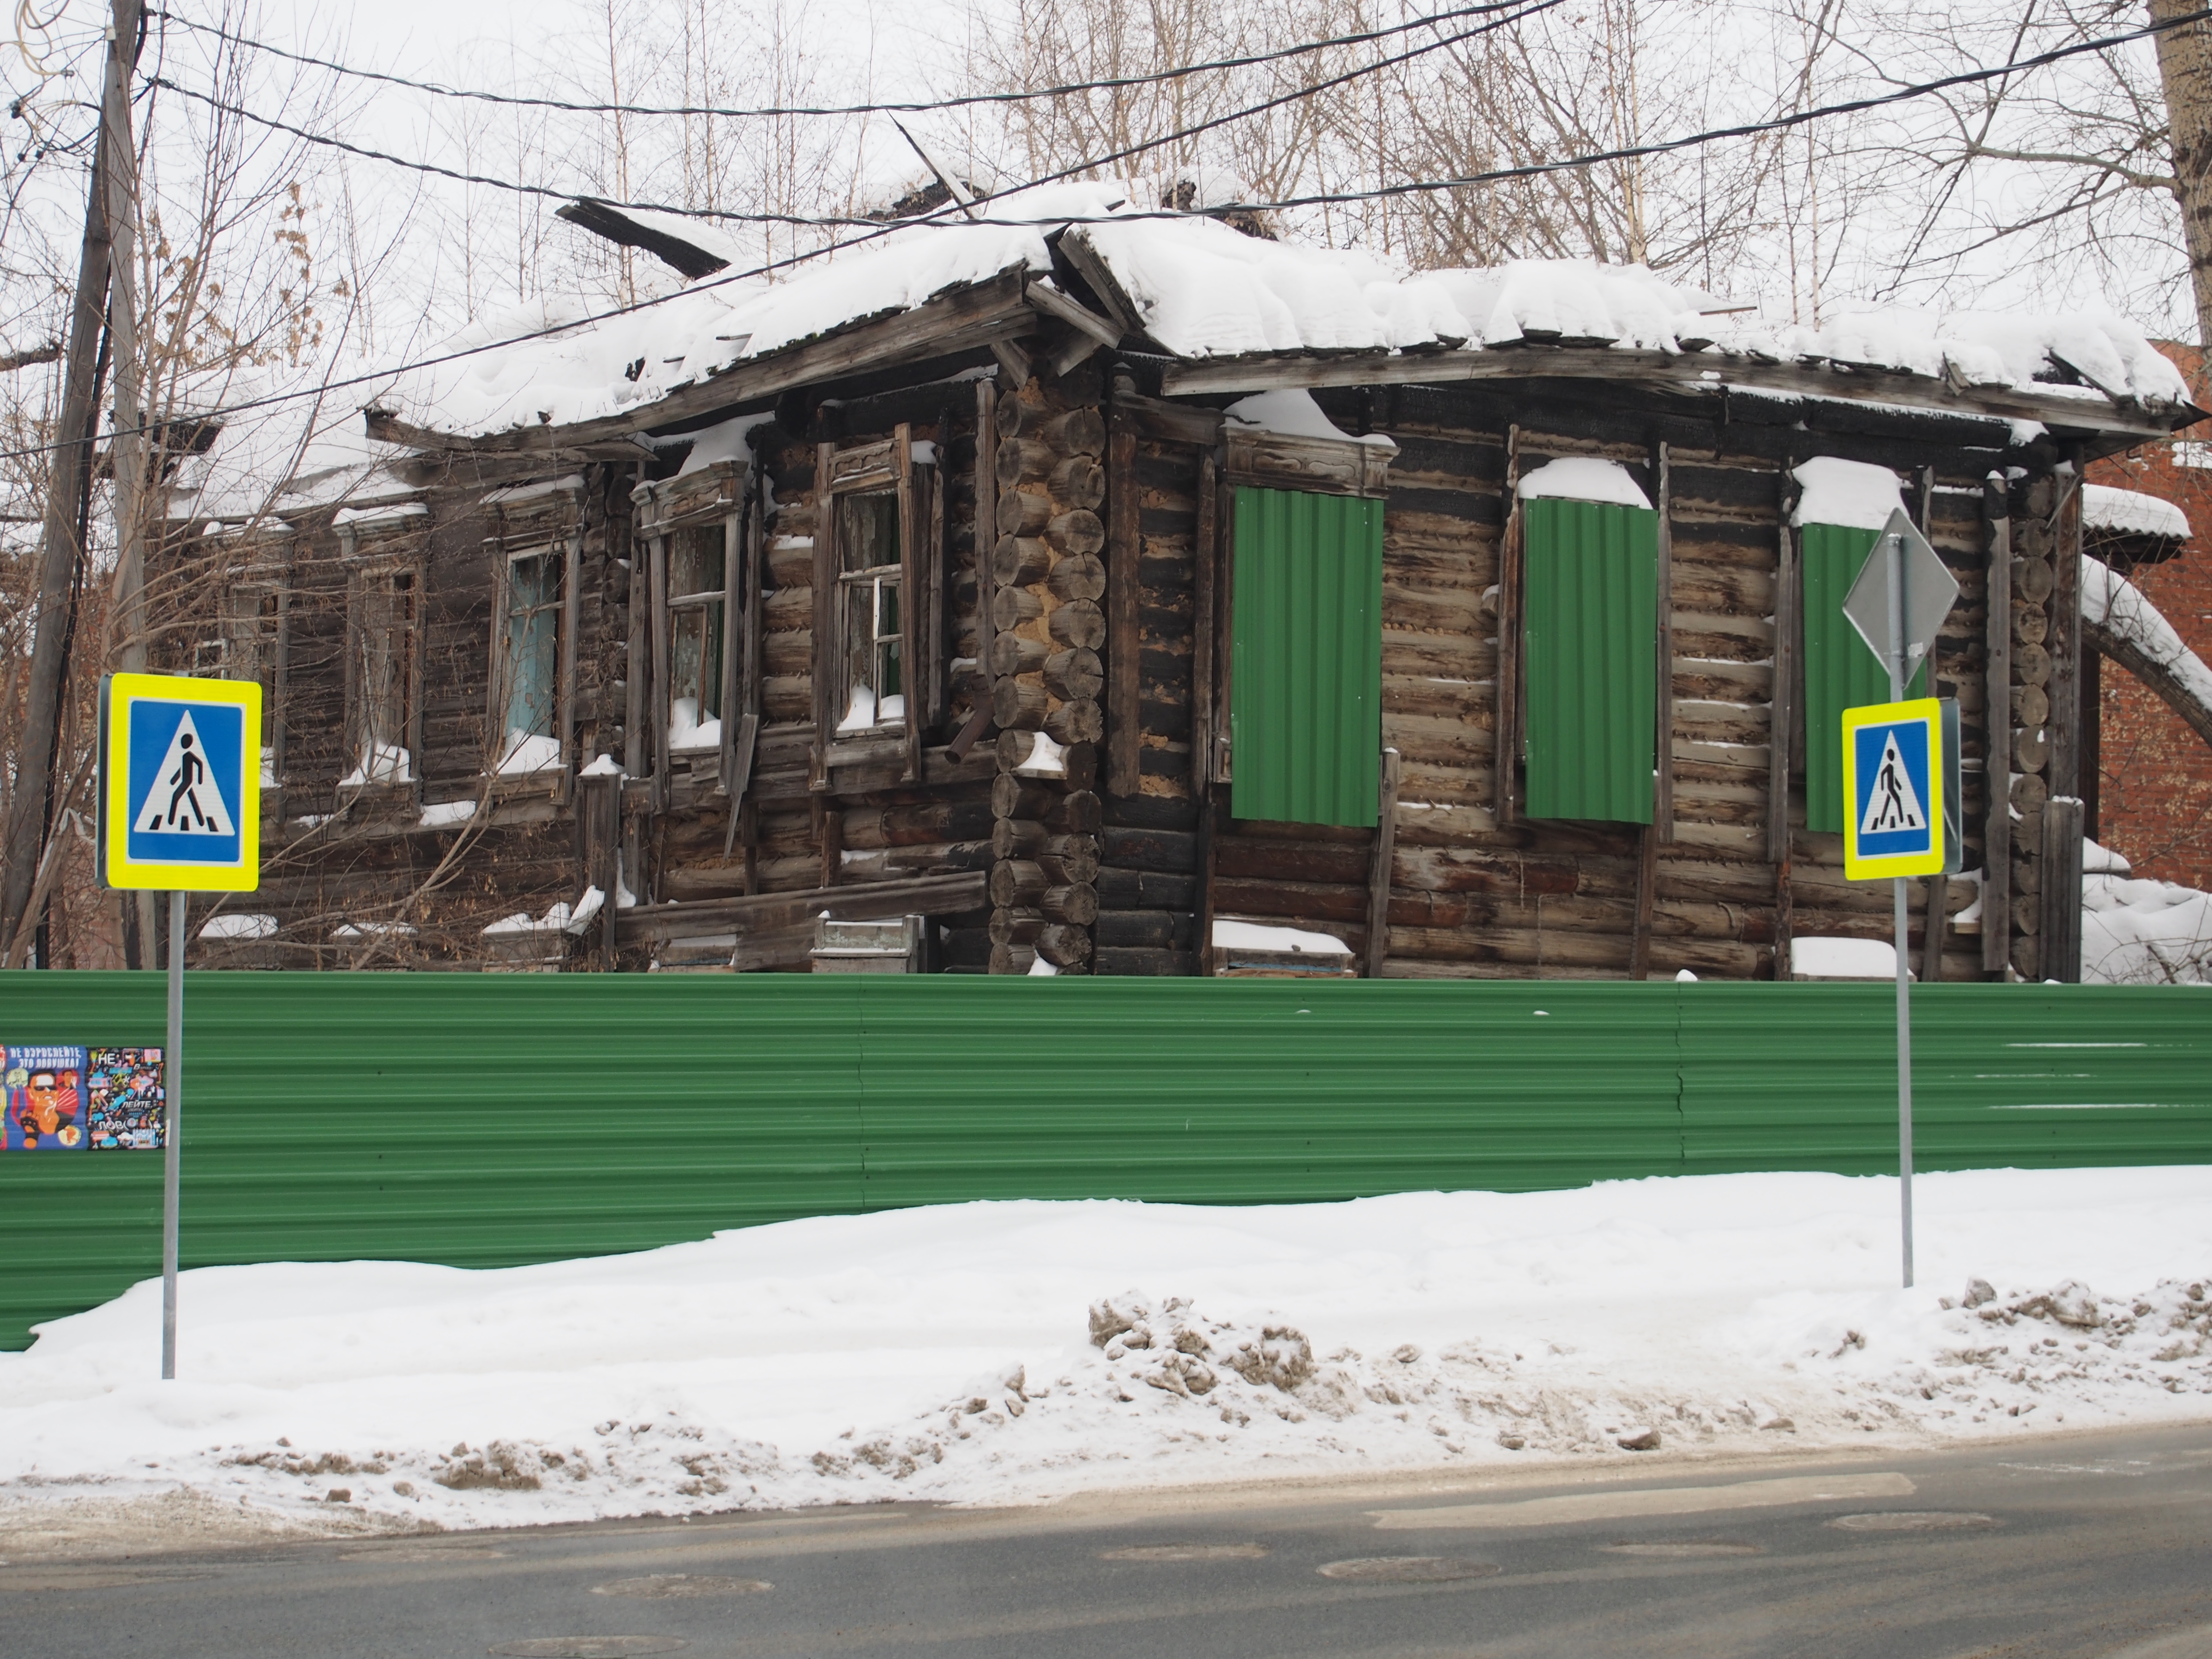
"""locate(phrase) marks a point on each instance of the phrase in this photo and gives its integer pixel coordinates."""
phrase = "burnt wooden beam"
(947, 895)
(1782, 709)
(605, 219)
(987, 313)
(1051, 302)
(1508, 671)
(1378, 876)
(1996, 721)
(1684, 371)
(2060, 941)
(1938, 924)
(1663, 788)
(1124, 724)
(1204, 575)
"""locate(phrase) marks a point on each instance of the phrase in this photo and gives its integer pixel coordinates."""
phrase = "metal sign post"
(1897, 766)
(180, 810)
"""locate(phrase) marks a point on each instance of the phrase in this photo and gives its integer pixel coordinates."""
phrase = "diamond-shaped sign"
(1929, 593)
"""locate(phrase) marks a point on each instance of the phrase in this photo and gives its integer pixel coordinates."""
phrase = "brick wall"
(2154, 775)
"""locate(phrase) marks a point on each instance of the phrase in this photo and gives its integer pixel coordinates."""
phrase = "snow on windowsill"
(441, 815)
(864, 713)
(372, 930)
(526, 753)
(382, 763)
(1583, 478)
(606, 766)
(687, 733)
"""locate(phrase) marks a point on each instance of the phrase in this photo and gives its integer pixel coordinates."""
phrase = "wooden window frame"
(725, 496)
(570, 550)
(415, 568)
(885, 466)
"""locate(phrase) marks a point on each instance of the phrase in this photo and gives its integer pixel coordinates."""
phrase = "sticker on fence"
(61, 1098)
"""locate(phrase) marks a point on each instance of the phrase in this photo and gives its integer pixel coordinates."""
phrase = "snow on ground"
(2138, 932)
(1016, 1351)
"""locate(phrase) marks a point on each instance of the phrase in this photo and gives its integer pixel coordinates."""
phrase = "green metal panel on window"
(1840, 672)
(1591, 638)
(1306, 680)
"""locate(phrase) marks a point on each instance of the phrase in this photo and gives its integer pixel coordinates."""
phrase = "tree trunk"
(2185, 66)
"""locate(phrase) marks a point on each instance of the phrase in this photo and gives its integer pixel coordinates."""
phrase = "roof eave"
(1673, 371)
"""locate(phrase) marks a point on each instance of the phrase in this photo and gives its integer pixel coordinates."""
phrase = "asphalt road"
(2080, 1544)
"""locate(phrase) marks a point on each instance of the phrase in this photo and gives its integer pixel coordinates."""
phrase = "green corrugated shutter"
(1591, 635)
(1305, 681)
(1840, 672)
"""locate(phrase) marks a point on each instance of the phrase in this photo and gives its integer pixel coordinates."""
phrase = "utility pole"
(2185, 70)
(58, 547)
(126, 613)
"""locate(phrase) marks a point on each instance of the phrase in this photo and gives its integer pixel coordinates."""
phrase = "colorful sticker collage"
(65, 1099)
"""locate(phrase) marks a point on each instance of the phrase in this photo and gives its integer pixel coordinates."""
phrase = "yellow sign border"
(119, 869)
(1886, 867)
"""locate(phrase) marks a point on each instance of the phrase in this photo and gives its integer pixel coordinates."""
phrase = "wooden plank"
(1509, 639)
(2063, 769)
(987, 515)
(1647, 896)
(1936, 924)
(970, 317)
(2059, 944)
(1048, 299)
(825, 613)
(1996, 763)
(1123, 680)
(1171, 423)
(1662, 792)
(1225, 621)
(1684, 371)
(1277, 460)
(1378, 874)
(1782, 710)
(947, 895)
(912, 595)
(1205, 572)
(660, 767)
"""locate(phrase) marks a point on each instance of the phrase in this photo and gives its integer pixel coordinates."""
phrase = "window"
(530, 658)
(871, 686)
(697, 616)
(1590, 645)
(381, 678)
(1840, 672)
(1305, 682)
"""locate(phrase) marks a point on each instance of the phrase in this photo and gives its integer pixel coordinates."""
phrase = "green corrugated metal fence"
(1591, 628)
(1840, 672)
(1305, 682)
(483, 1120)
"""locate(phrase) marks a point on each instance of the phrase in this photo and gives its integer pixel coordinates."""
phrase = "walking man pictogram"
(1893, 814)
(191, 769)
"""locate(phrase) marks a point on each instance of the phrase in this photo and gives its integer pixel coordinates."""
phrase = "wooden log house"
(1045, 604)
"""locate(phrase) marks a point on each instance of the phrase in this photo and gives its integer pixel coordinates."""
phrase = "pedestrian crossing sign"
(1895, 776)
(180, 783)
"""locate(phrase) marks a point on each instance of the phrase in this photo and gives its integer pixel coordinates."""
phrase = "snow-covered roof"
(2131, 512)
(1204, 293)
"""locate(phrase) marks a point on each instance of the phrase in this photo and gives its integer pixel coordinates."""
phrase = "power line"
(1526, 8)
(1781, 123)
(916, 107)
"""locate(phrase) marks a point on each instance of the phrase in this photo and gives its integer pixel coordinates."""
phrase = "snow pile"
(233, 925)
(1295, 413)
(445, 814)
(2131, 512)
(2110, 600)
(2140, 933)
(1253, 936)
(992, 1352)
(1850, 493)
(1815, 958)
(1583, 478)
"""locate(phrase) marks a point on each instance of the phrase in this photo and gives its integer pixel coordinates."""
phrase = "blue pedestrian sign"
(180, 783)
(1894, 773)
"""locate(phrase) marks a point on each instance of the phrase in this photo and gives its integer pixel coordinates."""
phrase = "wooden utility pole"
(59, 547)
(2184, 66)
